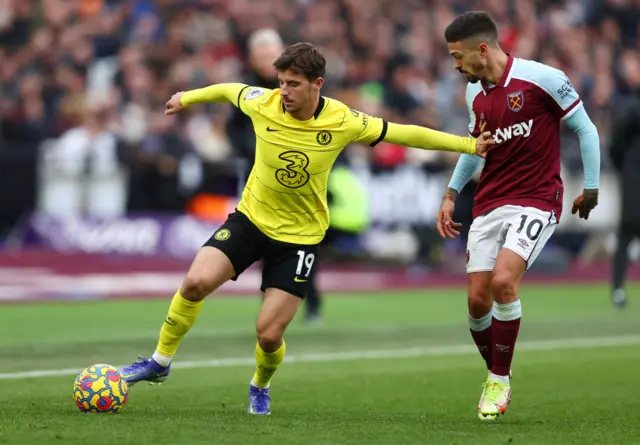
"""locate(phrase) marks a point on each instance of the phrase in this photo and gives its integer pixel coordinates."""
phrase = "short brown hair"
(302, 58)
(472, 24)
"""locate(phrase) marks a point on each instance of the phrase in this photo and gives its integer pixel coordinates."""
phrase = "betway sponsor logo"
(520, 129)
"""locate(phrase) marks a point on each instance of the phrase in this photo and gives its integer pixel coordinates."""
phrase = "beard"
(472, 78)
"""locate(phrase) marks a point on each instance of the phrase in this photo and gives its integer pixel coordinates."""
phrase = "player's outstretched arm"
(222, 92)
(427, 139)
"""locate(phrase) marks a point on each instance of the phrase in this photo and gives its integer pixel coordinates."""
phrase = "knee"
(196, 287)
(269, 338)
(480, 302)
(503, 289)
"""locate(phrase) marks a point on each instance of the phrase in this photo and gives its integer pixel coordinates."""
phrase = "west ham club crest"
(515, 101)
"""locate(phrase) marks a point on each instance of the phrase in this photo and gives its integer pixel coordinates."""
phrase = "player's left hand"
(585, 203)
(484, 141)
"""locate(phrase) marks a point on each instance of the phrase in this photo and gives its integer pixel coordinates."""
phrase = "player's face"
(298, 92)
(469, 59)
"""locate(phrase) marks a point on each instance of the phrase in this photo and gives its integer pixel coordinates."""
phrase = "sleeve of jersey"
(222, 92)
(587, 133)
(563, 99)
(237, 93)
(372, 129)
(427, 139)
(474, 127)
(464, 171)
(467, 164)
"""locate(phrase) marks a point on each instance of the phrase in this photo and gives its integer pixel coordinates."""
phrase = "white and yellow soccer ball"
(100, 389)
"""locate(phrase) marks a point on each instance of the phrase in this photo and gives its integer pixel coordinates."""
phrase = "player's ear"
(483, 49)
(318, 83)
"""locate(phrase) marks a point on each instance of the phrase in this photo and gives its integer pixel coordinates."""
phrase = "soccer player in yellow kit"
(283, 213)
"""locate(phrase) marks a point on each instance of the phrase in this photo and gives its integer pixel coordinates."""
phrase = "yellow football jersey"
(286, 192)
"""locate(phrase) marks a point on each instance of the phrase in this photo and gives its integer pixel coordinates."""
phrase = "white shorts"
(523, 230)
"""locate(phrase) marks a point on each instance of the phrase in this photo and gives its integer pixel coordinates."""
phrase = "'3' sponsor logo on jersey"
(295, 173)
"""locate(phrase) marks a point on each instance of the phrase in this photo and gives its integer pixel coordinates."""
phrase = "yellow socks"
(266, 365)
(181, 317)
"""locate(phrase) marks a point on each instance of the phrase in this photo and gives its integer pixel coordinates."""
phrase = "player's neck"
(306, 113)
(496, 67)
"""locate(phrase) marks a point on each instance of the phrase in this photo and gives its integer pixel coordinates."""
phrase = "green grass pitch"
(388, 368)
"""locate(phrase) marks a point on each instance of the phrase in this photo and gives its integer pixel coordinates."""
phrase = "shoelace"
(493, 391)
(142, 361)
(261, 399)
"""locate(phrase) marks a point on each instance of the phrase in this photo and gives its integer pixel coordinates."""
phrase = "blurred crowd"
(93, 76)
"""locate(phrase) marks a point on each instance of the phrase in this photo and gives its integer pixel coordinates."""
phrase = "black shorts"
(287, 266)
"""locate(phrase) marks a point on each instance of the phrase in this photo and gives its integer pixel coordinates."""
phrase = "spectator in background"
(82, 173)
(625, 156)
(167, 168)
(265, 46)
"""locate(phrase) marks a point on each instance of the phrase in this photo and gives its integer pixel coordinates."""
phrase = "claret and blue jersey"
(524, 111)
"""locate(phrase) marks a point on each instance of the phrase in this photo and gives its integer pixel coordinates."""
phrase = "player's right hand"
(484, 141)
(446, 226)
(585, 203)
(174, 105)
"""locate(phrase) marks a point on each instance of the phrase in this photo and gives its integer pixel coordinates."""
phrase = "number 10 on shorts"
(533, 229)
(305, 261)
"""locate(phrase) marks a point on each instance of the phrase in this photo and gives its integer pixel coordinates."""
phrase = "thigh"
(528, 232)
(484, 242)
(277, 311)
(508, 271)
(289, 267)
(210, 269)
(240, 241)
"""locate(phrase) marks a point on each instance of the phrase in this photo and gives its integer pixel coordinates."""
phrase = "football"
(100, 389)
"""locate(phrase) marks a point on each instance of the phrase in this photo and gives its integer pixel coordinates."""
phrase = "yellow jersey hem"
(284, 238)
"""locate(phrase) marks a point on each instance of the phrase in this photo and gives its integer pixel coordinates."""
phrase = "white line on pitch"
(435, 351)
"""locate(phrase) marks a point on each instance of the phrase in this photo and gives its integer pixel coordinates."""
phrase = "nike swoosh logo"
(271, 129)
(298, 280)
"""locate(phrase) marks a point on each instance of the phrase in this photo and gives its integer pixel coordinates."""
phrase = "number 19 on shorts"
(305, 263)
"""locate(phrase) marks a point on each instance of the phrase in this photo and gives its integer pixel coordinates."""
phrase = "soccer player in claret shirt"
(282, 215)
(518, 200)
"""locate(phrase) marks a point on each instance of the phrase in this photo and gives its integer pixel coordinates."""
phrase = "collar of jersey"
(504, 80)
(319, 109)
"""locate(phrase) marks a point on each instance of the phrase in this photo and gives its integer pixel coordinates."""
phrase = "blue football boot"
(145, 369)
(259, 401)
